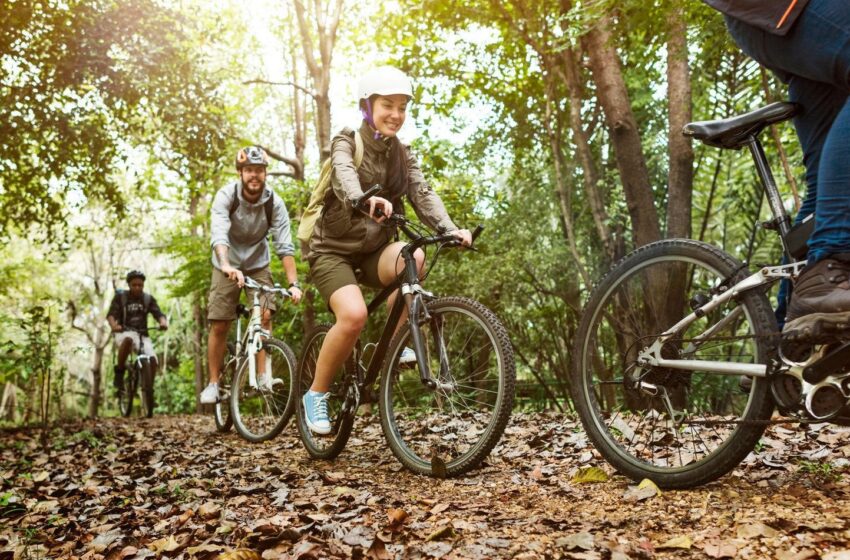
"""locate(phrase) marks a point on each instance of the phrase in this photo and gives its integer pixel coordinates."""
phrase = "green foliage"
(175, 389)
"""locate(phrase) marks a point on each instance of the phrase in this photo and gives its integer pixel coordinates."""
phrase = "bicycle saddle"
(735, 132)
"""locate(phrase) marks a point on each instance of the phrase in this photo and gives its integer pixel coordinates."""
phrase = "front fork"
(255, 346)
(418, 315)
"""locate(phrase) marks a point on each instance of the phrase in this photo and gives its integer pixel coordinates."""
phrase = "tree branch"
(309, 92)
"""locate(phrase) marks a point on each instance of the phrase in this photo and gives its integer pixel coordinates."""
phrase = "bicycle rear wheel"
(260, 414)
(708, 422)
(449, 430)
(221, 413)
(341, 404)
(146, 380)
(127, 391)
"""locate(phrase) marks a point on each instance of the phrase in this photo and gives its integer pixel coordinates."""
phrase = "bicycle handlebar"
(402, 222)
(254, 285)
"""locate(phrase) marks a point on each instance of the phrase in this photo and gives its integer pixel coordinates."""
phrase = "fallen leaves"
(589, 474)
(174, 489)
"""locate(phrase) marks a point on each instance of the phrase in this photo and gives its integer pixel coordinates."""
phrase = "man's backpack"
(317, 198)
(122, 299)
(268, 205)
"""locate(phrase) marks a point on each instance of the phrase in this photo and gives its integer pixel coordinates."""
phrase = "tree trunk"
(326, 25)
(590, 175)
(563, 191)
(614, 98)
(9, 402)
(96, 376)
(681, 178)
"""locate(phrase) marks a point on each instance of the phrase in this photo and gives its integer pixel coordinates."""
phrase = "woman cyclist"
(346, 239)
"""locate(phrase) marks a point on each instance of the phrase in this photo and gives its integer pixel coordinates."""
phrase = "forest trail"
(171, 487)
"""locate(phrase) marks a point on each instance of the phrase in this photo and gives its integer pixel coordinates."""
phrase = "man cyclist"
(806, 43)
(243, 213)
(128, 319)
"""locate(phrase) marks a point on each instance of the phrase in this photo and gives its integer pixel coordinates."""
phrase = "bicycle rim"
(449, 430)
(146, 401)
(708, 422)
(260, 414)
(126, 395)
(341, 403)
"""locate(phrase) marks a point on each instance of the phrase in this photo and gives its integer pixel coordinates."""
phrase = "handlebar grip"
(476, 232)
(372, 191)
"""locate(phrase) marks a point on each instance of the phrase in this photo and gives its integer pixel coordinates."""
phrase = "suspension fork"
(415, 307)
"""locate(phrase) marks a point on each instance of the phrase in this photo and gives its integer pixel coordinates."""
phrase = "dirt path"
(170, 487)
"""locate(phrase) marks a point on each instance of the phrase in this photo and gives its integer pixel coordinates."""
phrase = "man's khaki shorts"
(120, 337)
(224, 294)
(330, 271)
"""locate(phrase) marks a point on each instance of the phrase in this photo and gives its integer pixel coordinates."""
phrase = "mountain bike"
(257, 406)
(678, 364)
(442, 416)
(141, 369)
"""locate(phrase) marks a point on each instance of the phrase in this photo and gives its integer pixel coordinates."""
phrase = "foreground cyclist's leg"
(814, 59)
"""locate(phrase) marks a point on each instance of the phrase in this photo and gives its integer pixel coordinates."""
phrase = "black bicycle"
(441, 416)
(678, 363)
(139, 376)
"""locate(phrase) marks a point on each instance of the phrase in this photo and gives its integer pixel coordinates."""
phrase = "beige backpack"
(317, 198)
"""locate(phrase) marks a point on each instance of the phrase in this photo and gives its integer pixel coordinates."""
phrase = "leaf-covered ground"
(171, 487)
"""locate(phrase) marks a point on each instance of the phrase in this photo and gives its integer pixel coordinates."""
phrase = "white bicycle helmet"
(384, 80)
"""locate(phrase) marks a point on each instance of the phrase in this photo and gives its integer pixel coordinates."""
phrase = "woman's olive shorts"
(330, 271)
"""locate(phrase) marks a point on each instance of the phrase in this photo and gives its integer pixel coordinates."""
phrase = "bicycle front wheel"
(678, 428)
(127, 391)
(221, 413)
(449, 430)
(146, 378)
(260, 413)
(341, 403)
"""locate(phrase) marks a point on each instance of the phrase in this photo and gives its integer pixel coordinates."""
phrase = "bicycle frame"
(651, 355)
(249, 344)
(412, 297)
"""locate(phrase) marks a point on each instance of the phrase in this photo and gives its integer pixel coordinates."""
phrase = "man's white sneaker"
(265, 382)
(408, 356)
(210, 394)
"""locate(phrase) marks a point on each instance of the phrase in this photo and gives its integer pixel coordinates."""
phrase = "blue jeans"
(814, 60)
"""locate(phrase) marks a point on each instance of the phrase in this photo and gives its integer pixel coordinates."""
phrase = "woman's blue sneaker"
(316, 412)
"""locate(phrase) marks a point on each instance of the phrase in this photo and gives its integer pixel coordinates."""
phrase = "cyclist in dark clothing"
(128, 319)
(806, 43)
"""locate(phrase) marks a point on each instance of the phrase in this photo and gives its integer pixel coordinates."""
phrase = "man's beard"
(246, 187)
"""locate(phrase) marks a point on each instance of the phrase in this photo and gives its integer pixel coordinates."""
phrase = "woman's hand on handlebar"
(464, 236)
(374, 203)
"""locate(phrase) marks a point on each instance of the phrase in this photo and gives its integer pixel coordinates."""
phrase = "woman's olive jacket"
(343, 230)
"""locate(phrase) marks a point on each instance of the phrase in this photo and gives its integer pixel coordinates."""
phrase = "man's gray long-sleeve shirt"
(244, 233)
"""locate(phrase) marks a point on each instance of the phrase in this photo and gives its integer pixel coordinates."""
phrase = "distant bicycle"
(258, 406)
(141, 369)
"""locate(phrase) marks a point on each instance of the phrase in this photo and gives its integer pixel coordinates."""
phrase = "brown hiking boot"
(820, 304)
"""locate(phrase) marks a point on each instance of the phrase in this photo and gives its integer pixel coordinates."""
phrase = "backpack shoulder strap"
(146, 298)
(234, 204)
(358, 149)
(269, 207)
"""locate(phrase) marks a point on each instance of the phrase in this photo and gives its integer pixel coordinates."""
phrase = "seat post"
(774, 199)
